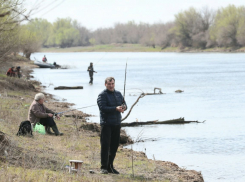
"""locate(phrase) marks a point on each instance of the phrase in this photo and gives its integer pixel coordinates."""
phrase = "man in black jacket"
(111, 104)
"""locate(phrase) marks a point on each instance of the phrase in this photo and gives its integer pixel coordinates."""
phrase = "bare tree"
(11, 15)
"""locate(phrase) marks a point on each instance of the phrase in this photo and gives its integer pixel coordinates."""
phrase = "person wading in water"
(91, 73)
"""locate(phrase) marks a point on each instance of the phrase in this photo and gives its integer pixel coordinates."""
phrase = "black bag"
(25, 128)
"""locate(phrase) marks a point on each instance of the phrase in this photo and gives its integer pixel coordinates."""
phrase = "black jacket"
(107, 102)
(91, 70)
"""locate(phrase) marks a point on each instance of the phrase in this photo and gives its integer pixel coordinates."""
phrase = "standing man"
(91, 72)
(111, 104)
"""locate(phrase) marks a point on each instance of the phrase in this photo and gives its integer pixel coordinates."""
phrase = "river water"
(213, 85)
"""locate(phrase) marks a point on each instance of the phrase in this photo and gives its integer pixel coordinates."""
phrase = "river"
(213, 88)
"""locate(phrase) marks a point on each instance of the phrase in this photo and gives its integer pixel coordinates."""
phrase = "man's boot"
(56, 131)
(47, 129)
(111, 169)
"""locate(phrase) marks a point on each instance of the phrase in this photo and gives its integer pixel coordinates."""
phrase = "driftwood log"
(141, 96)
(179, 91)
(66, 88)
(155, 93)
(172, 121)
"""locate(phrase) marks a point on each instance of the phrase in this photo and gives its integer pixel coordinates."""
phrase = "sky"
(95, 14)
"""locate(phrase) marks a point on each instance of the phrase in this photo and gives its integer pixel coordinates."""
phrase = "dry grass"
(49, 155)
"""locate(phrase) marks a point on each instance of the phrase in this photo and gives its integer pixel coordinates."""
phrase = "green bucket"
(40, 128)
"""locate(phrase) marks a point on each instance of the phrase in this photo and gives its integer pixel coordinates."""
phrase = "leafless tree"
(11, 15)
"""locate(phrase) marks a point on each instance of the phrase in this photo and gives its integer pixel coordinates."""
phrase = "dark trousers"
(109, 141)
(47, 122)
(91, 79)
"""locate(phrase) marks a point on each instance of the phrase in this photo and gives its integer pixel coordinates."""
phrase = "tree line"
(195, 28)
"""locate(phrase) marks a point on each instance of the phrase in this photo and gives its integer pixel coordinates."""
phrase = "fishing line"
(75, 109)
(101, 58)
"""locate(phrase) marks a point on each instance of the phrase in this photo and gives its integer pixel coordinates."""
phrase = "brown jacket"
(38, 111)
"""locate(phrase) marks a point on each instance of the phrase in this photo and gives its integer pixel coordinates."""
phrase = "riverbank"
(43, 157)
(138, 48)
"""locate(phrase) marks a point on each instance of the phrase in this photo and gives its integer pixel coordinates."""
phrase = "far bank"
(138, 48)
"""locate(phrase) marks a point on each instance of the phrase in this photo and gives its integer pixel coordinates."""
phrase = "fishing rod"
(125, 79)
(123, 105)
(100, 59)
(74, 109)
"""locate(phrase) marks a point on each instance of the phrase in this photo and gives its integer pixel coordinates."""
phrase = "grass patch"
(60, 150)
(170, 49)
(3, 75)
(106, 48)
(138, 48)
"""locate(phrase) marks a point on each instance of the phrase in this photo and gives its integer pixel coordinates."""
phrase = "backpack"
(25, 128)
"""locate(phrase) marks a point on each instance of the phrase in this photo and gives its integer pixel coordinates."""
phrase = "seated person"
(38, 113)
(11, 72)
(45, 59)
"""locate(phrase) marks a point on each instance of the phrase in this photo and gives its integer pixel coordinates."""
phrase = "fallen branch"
(141, 96)
(172, 121)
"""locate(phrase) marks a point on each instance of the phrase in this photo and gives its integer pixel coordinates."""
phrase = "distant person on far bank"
(11, 72)
(39, 113)
(45, 59)
(18, 71)
(91, 72)
(111, 104)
